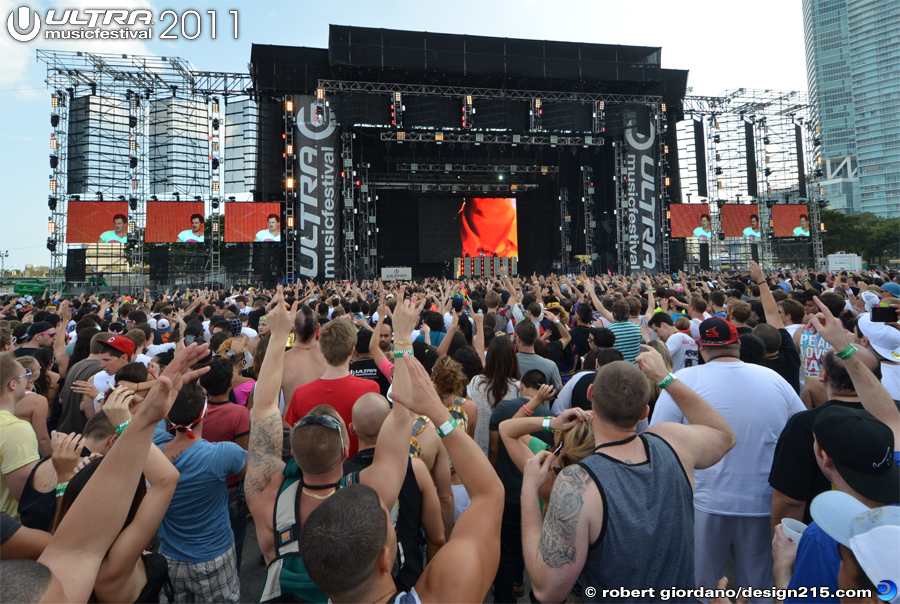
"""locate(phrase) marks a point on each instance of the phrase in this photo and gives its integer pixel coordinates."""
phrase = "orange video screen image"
(690, 220)
(489, 226)
(741, 221)
(248, 222)
(97, 222)
(790, 220)
(175, 222)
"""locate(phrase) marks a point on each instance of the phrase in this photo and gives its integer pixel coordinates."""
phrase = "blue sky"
(725, 45)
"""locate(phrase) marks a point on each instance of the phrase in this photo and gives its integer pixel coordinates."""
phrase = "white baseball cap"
(883, 338)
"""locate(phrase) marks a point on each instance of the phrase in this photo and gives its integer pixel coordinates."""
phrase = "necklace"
(314, 496)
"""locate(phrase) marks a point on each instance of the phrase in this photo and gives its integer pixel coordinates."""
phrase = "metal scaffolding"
(131, 127)
(591, 238)
(565, 229)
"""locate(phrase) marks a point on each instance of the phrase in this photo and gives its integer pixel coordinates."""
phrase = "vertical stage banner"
(318, 188)
(642, 172)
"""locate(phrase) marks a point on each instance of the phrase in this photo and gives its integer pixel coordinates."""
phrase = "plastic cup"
(793, 529)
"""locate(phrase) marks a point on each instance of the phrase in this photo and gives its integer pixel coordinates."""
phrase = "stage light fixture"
(537, 103)
(74, 197)
(133, 203)
(53, 186)
(131, 225)
(215, 105)
(766, 140)
(468, 99)
(666, 149)
(54, 144)
(290, 183)
(215, 163)
(320, 113)
(817, 142)
(177, 196)
(232, 197)
(718, 170)
(132, 145)
(197, 198)
(133, 162)
(134, 185)
(121, 198)
(768, 172)
(290, 222)
(215, 146)
(215, 226)
(320, 94)
(215, 123)
(668, 181)
(439, 137)
(132, 122)
(602, 106)
(54, 120)
(662, 107)
(54, 162)
(51, 203)
(51, 227)
(215, 186)
(716, 138)
(822, 226)
(289, 106)
(51, 244)
(721, 236)
(54, 101)
(99, 195)
(821, 190)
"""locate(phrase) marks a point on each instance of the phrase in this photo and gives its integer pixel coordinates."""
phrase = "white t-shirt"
(265, 235)
(792, 329)
(684, 351)
(890, 379)
(189, 237)
(250, 333)
(756, 402)
(103, 382)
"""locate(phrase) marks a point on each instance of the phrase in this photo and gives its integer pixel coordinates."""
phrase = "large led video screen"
(175, 222)
(97, 222)
(790, 220)
(247, 222)
(741, 220)
(690, 220)
(454, 228)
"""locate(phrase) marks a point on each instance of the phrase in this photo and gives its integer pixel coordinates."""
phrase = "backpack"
(286, 577)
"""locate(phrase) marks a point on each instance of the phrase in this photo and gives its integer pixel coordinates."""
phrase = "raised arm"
(478, 338)
(473, 550)
(264, 461)
(78, 546)
(765, 295)
(448, 337)
(374, 349)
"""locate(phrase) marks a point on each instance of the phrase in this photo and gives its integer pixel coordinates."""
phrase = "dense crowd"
(611, 438)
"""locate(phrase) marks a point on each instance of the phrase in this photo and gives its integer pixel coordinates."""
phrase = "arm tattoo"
(558, 535)
(263, 455)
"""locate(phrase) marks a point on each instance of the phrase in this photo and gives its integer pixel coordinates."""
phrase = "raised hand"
(424, 399)
(117, 406)
(570, 418)
(66, 451)
(651, 363)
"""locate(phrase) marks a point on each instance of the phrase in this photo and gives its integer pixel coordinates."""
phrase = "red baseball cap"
(716, 331)
(122, 344)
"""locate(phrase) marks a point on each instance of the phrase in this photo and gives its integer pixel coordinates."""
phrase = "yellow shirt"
(18, 447)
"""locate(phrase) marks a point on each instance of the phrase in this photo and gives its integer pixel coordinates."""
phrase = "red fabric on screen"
(87, 220)
(340, 394)
(489, 226)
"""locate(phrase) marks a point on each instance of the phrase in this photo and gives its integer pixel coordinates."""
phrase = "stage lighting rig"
(177, 196)
(74, 197)
(99, 195)
(154, 198)
(132, 204)
(51, 244)
(51, 203)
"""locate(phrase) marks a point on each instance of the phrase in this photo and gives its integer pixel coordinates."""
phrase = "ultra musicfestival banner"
(643, 212)
(318, 190)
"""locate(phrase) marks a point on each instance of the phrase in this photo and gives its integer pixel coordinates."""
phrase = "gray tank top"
(647, 537)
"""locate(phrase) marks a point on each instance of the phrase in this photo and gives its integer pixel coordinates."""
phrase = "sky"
(725, 45)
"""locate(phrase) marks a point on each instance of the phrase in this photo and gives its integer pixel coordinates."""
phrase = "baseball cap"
(162, 325)
(883, 338)
(871, 299)
(122, 344)
(235, 327)
(871, 534)
(893, 288)
(862, 449)
(39, 327)
(716, 331)
(733, 293)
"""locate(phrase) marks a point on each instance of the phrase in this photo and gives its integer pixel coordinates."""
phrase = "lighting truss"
(455, 168)
(491, 138)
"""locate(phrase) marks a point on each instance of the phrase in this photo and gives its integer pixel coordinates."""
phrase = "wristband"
(121, 427)
(846, 353)
(447, 427)
(61, 489)
(527, 411)
(666, 381)
(546, 424)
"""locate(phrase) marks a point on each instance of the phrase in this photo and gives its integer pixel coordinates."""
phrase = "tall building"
(853, 68)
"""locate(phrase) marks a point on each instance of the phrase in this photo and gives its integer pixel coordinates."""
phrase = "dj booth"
(485, 266)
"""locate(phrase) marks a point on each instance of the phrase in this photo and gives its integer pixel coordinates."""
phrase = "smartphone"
(883, 314)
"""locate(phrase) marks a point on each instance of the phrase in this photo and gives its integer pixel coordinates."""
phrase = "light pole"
(3, 256)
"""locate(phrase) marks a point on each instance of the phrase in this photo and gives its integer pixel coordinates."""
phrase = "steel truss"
(591, 238)
(661, 191)
(350, 201)
(138, 111)
(621, 211)
(336, 86)
(290, 189)
(488, 138)
(457, 168)
(565, 229)
(772, 116)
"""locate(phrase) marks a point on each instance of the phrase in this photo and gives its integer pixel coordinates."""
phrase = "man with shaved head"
(417, 506)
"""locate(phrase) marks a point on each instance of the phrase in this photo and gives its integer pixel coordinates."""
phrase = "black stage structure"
(378, 134)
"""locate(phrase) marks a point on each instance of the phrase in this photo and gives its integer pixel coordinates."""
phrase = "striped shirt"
(628, 339)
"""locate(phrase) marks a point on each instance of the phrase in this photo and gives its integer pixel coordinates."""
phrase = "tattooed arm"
(556, 549)
(264, 465)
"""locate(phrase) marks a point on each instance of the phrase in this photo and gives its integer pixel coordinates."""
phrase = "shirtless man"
(304, 362)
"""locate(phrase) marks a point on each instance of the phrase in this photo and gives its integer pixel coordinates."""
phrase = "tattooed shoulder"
(566, 503)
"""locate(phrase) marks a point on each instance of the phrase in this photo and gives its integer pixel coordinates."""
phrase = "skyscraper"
(853, 68)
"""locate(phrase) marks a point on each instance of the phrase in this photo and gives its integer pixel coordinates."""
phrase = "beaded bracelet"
(846, 353)
(121, 427)
(61, 489)
(666, 381)
(527, 411)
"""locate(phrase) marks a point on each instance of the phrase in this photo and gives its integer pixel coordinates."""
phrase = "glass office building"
(853, 68)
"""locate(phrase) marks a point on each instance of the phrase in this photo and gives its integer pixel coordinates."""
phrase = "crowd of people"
(609, 438)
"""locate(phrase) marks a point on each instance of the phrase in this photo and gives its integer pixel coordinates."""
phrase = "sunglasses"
(322, 420)
(27, 374)
(47, 333)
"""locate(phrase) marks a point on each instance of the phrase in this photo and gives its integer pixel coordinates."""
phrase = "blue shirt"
(817, 564)
(435, 336)
(196, 527)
